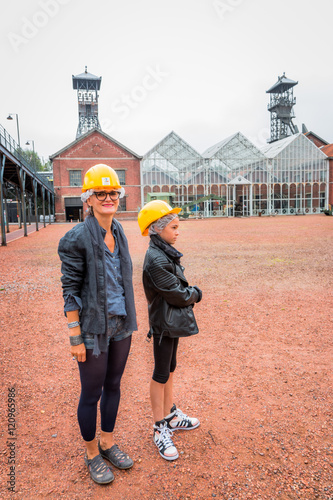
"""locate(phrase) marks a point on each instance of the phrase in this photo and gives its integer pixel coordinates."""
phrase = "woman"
(170, 308)
(99, 305)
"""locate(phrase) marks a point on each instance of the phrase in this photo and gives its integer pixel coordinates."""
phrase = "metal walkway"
(19, 233)
(16, 172)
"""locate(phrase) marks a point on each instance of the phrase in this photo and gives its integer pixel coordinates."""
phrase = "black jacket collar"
(168, 249)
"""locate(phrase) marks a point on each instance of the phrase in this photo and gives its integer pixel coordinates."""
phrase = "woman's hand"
(79, 352)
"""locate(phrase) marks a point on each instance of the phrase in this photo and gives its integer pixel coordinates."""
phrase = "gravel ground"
(258, 375)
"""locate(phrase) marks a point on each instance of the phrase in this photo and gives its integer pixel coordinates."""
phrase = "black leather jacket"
(84, 275)
(170, 298)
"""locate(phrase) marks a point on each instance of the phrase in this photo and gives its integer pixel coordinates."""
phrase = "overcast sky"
(198, 67)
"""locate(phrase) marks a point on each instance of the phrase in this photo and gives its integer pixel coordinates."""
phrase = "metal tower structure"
(87, 86)
(281, 109)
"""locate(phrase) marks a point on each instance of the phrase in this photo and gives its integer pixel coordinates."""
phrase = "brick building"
(318, 141)
(328, 150)
(72, 162)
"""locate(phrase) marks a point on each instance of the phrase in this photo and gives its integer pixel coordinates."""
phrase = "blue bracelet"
(73, 324)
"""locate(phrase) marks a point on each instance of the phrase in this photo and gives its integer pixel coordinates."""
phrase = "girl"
(170, 308)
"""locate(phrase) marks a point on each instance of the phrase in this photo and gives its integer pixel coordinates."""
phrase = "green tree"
(37, 163)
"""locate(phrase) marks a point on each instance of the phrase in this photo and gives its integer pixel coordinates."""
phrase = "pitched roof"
(281, 85)
(274, 148)
(209, 152)
(171, 145)
(239, 181)
(86, 80)
(310, 133)
(84, 136)
(236, 142)
(328, 150)
(87, 76)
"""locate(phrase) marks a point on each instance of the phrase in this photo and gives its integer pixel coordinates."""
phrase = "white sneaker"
(177, 420)
(163, 441)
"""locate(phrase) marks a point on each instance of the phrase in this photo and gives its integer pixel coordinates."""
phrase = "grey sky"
(198, 67)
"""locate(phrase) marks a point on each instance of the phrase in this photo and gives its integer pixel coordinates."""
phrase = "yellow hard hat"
(100, 177)
(153, 211)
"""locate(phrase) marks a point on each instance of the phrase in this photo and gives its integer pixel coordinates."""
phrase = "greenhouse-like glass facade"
(299, 176)
(234, 177)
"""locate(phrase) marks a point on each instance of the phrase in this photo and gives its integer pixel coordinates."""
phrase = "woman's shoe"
(117, 457)
(177, 420)
(163, 441)
(99, 471)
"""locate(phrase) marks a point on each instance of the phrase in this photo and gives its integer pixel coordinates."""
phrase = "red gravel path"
(258, 376)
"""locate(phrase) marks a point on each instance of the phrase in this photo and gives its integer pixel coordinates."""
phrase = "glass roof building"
(299, 176)
(169, 168)
(234, 177)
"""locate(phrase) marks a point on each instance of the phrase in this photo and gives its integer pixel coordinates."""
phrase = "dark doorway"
(74, 209)
(73, 214)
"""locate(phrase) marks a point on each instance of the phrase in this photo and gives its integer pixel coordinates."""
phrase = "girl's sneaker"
(163, 441)
(177, 420)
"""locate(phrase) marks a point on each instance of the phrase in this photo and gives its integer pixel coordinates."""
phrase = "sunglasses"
(102, 195)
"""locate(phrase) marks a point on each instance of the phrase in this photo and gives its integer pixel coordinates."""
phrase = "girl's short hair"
(158, 225)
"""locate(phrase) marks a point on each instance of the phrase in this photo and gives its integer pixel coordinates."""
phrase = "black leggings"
(101, 376)
(165, 358)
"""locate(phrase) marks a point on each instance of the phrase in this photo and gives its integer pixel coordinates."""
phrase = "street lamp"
(33, 149)
(10, 117)
(34, 166)
(33, 144)
(21, 176)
